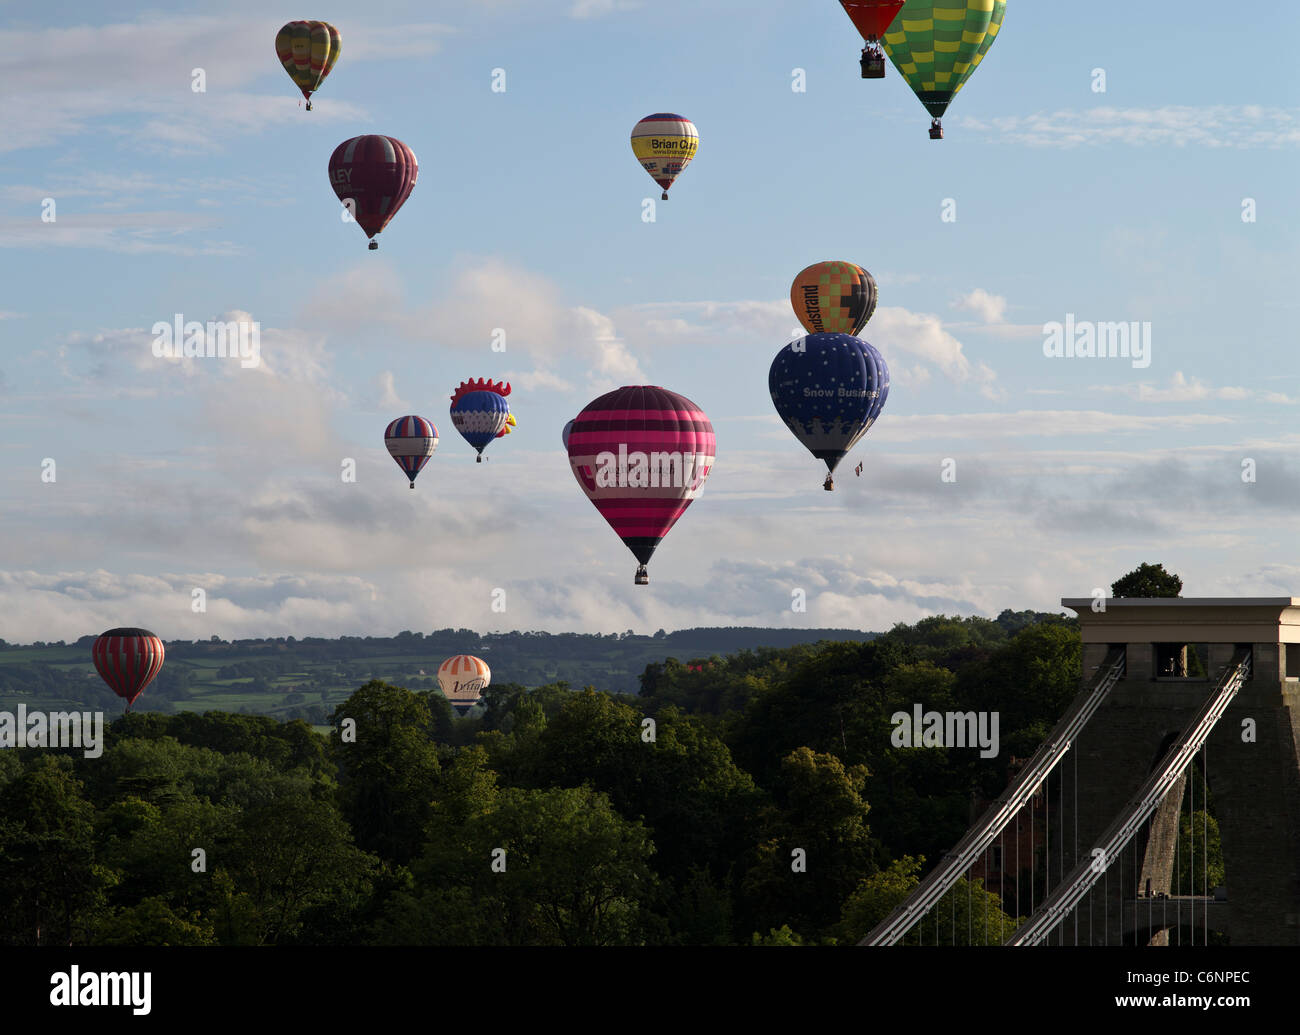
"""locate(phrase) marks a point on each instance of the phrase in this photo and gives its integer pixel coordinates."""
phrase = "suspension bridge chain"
(977, 840)
(1081, 879)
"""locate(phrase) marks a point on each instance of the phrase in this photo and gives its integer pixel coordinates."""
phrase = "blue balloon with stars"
(829, 389)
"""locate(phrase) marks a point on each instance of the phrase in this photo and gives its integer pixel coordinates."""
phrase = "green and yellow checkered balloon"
(937, 44)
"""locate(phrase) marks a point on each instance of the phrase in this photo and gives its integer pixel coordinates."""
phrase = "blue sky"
(175, 475)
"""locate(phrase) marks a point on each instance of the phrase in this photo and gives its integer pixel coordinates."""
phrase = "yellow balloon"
(664, 144)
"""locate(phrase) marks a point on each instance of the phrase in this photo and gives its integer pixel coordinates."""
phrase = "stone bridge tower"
(1176, 649)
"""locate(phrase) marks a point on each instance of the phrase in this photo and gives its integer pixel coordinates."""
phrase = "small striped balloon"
(128, 660)
(411, 441)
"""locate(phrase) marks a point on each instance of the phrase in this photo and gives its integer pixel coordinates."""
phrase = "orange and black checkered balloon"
(833, 298)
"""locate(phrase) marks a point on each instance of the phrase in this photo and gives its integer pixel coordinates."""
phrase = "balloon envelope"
(308, 51)
(872, 17)
(480, 412)
(641, 454)
(128, 659)
(373, 176)
(936, 45)
(829, 389)
(664, 144)
(411, 441)
(833, 297)
(463, 679)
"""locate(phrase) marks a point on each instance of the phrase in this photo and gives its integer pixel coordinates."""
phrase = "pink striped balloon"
(641, 454)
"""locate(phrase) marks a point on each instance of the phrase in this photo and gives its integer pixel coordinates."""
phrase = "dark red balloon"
(373, 176)
(128, 660)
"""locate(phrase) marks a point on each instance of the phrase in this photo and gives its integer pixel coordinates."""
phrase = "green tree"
(387, 776)
(820, 811)
(51, 887)
(966, 915)
(573, 872)
(1147, 580)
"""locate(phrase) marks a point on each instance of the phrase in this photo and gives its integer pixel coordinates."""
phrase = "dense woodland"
(394, 836)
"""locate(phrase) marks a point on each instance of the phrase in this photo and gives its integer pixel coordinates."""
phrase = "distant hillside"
(293, 678)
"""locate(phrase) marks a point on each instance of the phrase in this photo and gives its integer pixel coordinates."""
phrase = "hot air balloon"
(833, 297)
(829, 389)
(480, 412)
(641, 454)
(411, 441)
(937, 44)
(128, 660)
(664, 144)
(463, 679)
(308, 51)
(872, 18)
(373, 176)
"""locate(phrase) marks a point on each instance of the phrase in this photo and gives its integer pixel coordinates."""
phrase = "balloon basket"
(309, 105)
(478, 459)
(829, 484)
(412, 485)
(665, 196)
(642, 577)
(936, 130)
(872, 62)
(374, 246)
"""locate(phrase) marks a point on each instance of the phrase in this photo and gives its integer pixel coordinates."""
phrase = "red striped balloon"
(641, 454)
(128, 660)
(373, 176)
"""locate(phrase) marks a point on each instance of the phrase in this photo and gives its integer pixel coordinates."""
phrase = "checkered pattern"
(937, 44)
(833, 297)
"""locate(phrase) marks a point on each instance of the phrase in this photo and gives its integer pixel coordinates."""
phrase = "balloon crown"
(481, 385)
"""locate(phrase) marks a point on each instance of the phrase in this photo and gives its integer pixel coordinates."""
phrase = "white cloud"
(988, 307)
(923, 337)
(1184, 389)
(1212, 126)
(487, 295)
(598, 8)
(920, 337)
(132, 233)
(142, 70)
(388, 397)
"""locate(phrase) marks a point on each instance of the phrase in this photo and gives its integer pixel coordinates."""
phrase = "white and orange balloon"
(463, 678)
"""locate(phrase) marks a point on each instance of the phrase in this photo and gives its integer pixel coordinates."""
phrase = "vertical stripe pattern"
(376, 174)
(128, 660)
(411, 441)
(308, 51)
